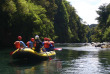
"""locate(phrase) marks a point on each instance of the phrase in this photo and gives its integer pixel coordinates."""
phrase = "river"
(74, 58)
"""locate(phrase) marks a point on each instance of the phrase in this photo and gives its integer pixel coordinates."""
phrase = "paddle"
(58, 49)
(11, 53)
(46, 53)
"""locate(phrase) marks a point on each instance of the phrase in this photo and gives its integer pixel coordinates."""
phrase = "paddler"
(19, 44)
(38, 43)
(52, 45)
(31, 44)
(48, 45)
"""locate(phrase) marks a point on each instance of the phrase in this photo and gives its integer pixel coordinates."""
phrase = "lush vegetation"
(55, 19)
(101, 33)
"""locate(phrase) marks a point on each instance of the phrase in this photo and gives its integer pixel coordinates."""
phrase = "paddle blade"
(50, 58)
(11, 53)
(58, 49)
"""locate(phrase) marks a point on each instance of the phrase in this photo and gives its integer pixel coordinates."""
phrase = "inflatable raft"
(31, 54)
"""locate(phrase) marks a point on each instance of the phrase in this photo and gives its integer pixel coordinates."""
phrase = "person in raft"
(19, 44)
(52, 45)
(31, 44)
(48, 45)
(38, 43)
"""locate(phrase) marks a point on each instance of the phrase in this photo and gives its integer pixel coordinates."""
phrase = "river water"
(73, 59)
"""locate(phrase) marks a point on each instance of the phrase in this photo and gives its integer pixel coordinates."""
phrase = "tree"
(7, 9)
(104, 23)
(106, 36)
(61, 21)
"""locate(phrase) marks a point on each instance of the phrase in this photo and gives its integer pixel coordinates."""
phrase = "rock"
(105, 46)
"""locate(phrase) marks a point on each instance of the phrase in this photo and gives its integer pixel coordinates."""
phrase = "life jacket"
(46, 44)
(17, 44)
(52, 43)
(31, 44)
(34, 44)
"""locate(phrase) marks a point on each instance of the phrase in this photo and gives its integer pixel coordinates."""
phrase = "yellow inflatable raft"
(31, 54)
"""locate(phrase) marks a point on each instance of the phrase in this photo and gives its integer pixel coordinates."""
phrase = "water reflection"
(85, 64)
(66, 54)
(73, 60)
(104, 58)
(44, 67)
(88, 62)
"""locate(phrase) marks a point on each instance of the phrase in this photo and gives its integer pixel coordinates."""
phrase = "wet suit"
(38, 45)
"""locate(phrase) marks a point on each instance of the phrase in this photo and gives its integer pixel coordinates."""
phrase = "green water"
(73, 59)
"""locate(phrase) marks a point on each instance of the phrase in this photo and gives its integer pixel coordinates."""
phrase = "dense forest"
(55, 19)
(101, 33)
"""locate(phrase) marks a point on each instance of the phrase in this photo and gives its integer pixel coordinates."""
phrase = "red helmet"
(32, 39)
(46, 39)
(19, 37)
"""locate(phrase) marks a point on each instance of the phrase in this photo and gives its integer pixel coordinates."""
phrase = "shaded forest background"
(55, 19)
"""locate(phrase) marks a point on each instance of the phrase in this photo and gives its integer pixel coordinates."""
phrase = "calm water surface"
(73, 59)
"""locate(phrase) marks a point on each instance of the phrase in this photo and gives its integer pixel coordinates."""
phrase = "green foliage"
(102, 31)
(78, 30)
(9, 6)
(72, 22)
(106, 36)
(103, 15)
(96, 36)
(62, 29)
(91, 32)
(108, 20)
(55, 19)
(22, 6)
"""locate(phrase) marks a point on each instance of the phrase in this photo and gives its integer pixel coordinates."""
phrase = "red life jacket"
(17, 44)
(46, 44)
(52, 43)
(34, 44)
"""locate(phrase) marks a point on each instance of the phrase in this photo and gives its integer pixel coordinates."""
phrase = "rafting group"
(35, 44)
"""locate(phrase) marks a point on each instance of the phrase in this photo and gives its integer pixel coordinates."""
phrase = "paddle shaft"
(47, 53)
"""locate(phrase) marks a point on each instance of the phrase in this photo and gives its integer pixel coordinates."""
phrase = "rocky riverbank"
(102, 45)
